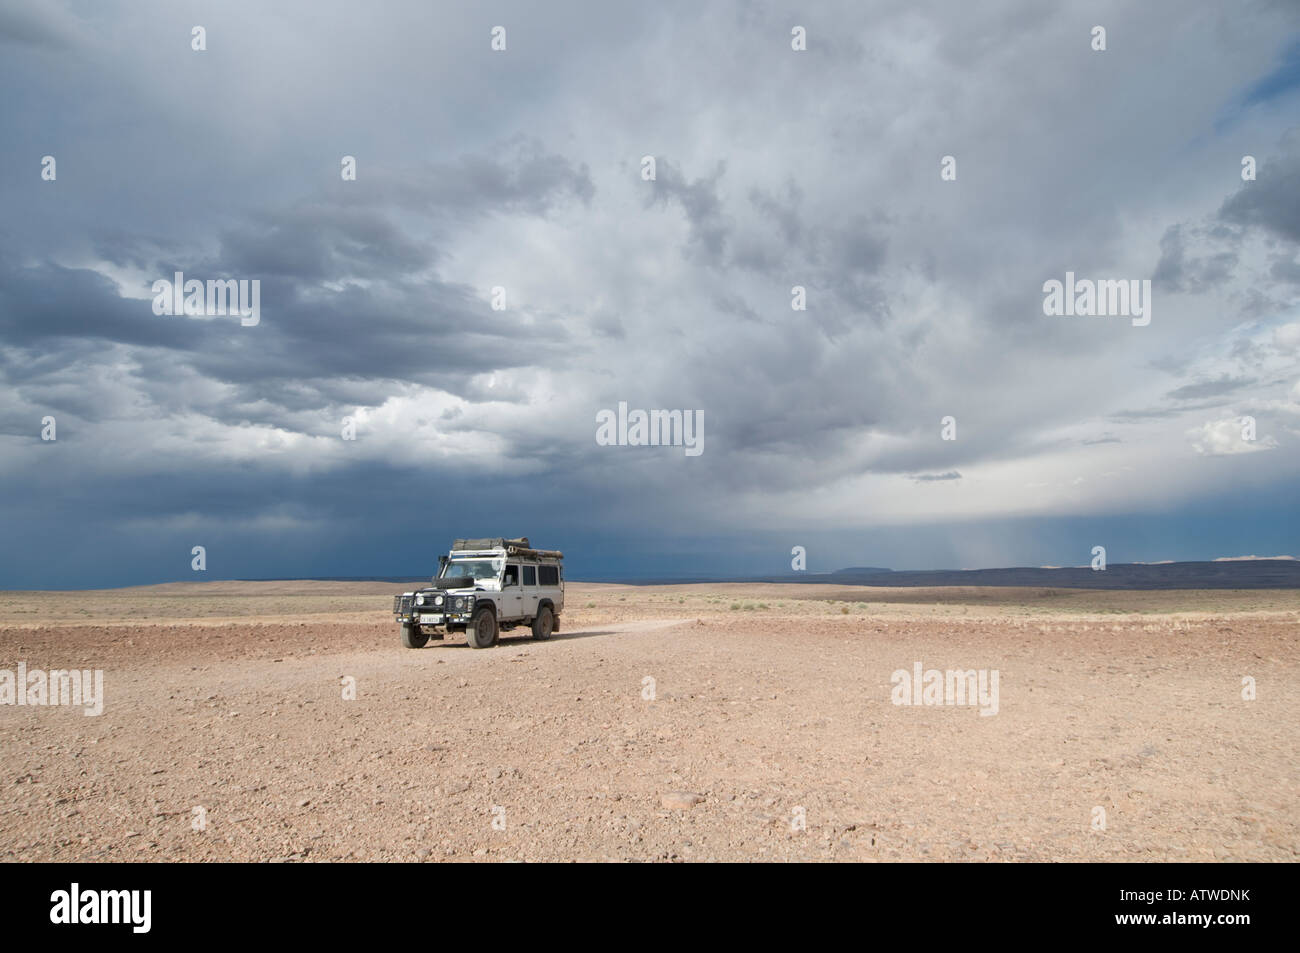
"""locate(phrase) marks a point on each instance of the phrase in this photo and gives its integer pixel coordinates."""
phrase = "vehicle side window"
(550, 575)
(530, 575)
(511, 577)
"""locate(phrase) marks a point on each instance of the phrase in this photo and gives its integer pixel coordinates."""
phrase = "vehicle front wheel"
(413, 638)
(482, 629)
(544, 623)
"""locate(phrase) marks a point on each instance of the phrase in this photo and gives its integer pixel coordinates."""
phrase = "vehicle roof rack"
(518, 546)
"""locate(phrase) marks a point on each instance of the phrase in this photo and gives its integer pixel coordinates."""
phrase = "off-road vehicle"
(485, 587)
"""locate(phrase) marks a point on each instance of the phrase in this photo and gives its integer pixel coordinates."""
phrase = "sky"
(524, 169)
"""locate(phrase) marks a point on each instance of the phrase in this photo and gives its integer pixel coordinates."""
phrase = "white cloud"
(1219, 438)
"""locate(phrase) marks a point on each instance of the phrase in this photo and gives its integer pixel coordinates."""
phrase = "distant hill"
(1224, 574)
(1234, 574)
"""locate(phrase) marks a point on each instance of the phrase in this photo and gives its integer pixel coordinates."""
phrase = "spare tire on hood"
(454, 582)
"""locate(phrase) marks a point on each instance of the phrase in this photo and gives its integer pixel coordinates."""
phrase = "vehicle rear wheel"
(482, 629)
(413, 638)
(544, 623)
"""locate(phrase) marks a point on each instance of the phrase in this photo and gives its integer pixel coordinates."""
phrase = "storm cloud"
(500, 269)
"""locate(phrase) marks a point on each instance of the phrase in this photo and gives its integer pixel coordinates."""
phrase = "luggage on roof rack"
(493, 542)
(513, 547)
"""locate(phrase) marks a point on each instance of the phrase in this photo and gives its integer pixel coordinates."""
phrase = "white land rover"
(485, 587)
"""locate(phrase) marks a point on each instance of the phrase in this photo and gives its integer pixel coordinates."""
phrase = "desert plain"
(283, 721)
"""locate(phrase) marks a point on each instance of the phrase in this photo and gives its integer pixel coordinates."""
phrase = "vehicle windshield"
(478, 569)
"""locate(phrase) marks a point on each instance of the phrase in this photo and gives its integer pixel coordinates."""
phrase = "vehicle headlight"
(460, 602)
(419, 600)
(437, 600)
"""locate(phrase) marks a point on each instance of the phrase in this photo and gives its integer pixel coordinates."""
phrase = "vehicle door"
(530, 591)
(512, 593)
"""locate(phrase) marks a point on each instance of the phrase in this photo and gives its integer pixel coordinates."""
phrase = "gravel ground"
(663, 723)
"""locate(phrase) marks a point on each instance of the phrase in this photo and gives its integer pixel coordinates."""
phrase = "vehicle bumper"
(432, 619)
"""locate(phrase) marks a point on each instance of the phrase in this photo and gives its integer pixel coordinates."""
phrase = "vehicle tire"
(544, 623)
(413, 638)
(482, 629)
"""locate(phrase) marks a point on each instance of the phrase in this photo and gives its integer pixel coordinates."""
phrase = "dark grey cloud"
(351, 302)
(1202, 256)
(783, 209)
(41, 26)
(1286, 268)
(41, 305)
(1214, 388)
(774, 169)
(519, 176)
(1168, 412)
(314, 243)
(698, 199)
(1181, 271)
(1272, 201)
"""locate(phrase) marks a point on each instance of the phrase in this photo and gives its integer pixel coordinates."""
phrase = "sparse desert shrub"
(735, 605)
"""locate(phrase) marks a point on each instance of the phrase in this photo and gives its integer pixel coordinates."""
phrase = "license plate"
(431, 619)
